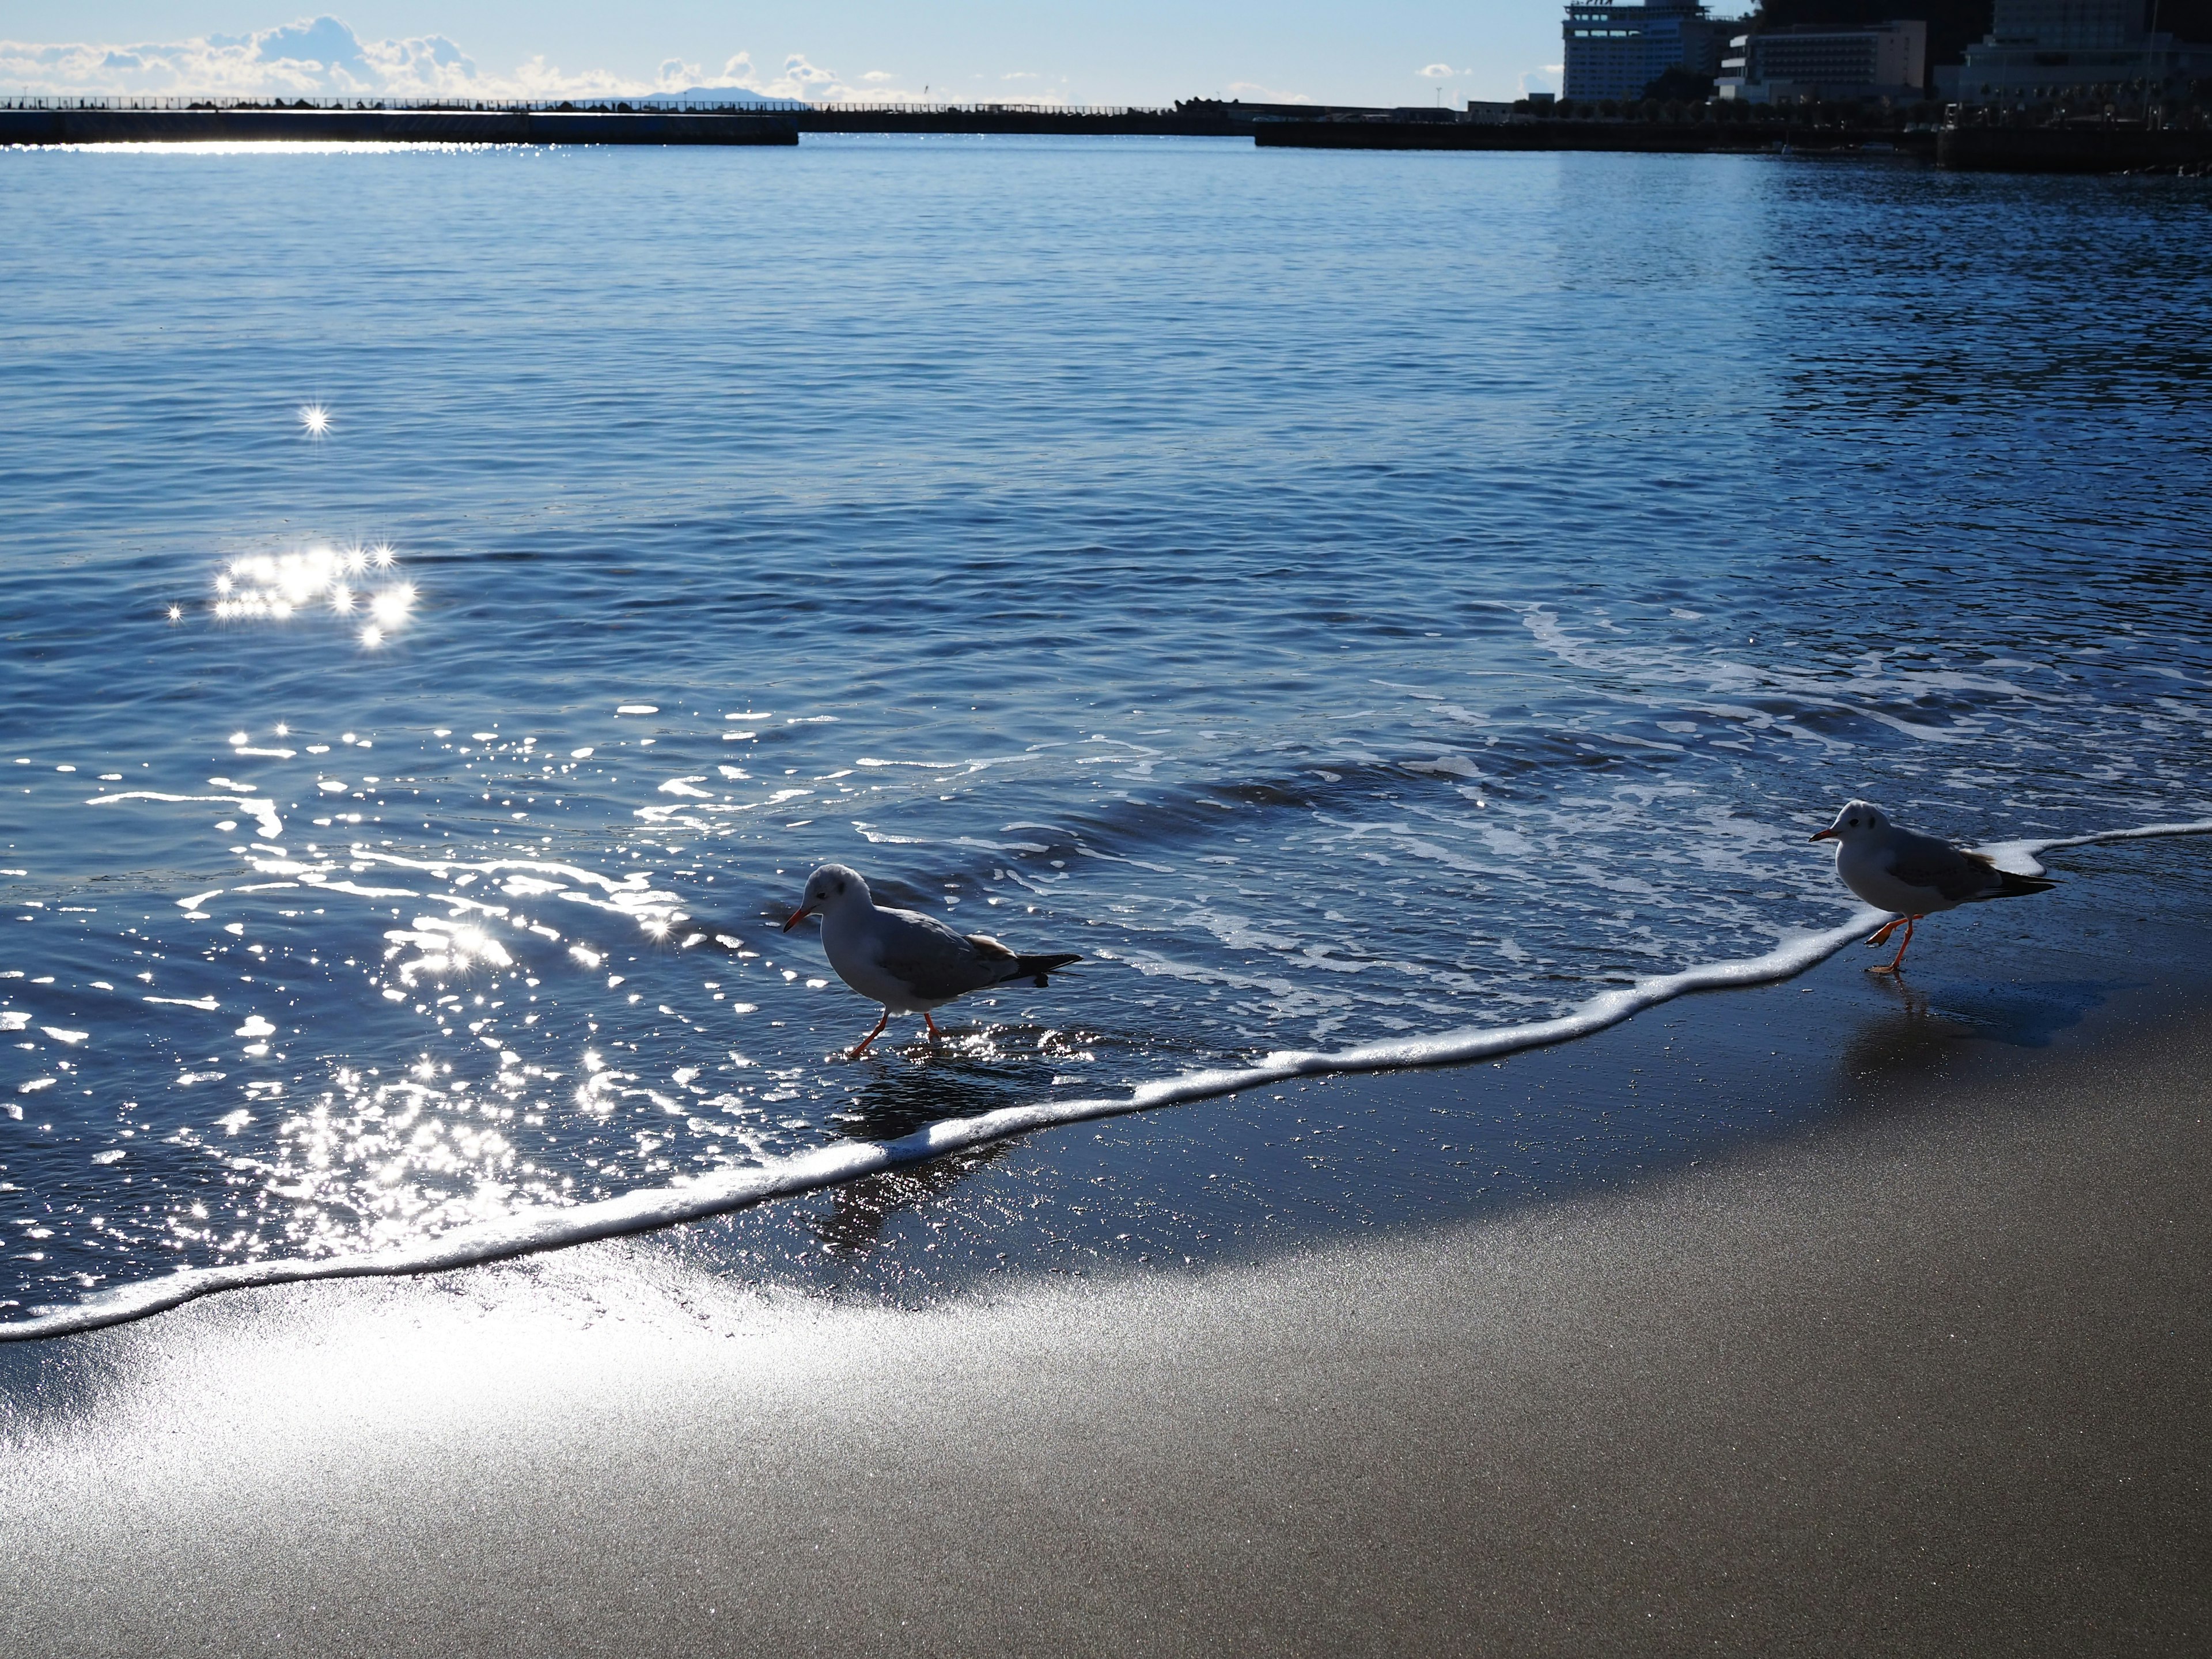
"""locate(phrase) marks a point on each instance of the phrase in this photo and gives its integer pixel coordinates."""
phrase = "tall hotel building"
(1615, 52)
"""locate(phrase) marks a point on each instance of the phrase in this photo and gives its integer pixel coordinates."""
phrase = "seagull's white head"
(833, 887)
(1859, 820)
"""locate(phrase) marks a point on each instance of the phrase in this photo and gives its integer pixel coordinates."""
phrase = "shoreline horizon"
(533, 1230)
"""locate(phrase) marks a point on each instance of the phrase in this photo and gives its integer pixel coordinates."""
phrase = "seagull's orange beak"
(797, 916)
(1823, 835)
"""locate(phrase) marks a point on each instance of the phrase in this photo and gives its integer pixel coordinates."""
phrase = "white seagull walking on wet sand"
(1894, 869)
(908, 961)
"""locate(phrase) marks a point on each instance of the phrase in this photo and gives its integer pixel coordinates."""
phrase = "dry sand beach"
(1923, 1372)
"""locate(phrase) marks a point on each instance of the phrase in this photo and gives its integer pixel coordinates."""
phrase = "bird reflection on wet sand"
(899, 1104)
(1927, 1027)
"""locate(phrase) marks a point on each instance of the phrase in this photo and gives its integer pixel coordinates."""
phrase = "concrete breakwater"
(2114, 147)
(2084, 148)
(418, 126)
(1652, 137)
(2104, 148)
(92, 124)
(1216, 121)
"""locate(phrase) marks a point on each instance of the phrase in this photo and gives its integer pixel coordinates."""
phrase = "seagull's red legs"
(1899, 957)
(872, 1036)
(934, 1034)
(1881, 933)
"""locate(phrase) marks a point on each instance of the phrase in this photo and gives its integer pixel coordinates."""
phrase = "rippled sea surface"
(1341, 596)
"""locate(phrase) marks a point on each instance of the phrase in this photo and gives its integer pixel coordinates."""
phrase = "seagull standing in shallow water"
(1914, 875)
(908, 961)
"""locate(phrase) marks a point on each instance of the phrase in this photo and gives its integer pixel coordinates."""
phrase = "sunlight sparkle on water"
(315, 419)
(266, 586)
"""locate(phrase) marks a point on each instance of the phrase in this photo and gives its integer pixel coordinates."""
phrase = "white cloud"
(1544, 78)
(323, 57)
(1439, 71)
(317, 56)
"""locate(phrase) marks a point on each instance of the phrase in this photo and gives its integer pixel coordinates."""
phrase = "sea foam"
(547, 1227)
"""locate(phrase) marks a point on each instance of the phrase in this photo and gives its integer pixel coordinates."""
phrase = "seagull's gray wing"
(922, 953)
(1923, 861)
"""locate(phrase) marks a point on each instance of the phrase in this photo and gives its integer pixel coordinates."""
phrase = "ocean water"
(1348, 597)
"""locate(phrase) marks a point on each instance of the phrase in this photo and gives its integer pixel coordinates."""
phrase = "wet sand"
(1928, 1376)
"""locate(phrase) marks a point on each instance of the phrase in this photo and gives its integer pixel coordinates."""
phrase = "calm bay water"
(1343, 596)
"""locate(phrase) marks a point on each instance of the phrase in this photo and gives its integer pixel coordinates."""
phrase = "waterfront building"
(1615, 52)
(2048, 48)
(1872, 60)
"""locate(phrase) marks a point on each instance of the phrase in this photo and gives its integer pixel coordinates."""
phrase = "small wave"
(2025, 857)
(545, 1228)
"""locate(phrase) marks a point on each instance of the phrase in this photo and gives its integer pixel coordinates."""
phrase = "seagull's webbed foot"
(871, 1037)
(1895, 965)
(1881, 933)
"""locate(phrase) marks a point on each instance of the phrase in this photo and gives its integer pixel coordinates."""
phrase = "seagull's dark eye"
(841, 886)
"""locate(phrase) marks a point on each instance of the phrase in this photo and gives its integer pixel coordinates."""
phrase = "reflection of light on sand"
(266, 587)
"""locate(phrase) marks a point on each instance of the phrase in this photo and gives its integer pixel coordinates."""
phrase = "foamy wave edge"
(530, 1232)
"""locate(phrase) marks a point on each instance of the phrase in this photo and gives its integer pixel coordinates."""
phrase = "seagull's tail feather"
(1036, 967)
(2011, 885)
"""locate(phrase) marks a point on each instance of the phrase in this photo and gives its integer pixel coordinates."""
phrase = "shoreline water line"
(531, 1231)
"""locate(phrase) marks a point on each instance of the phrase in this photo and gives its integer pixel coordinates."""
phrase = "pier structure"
(31, 120)
(26, 122)
(2162, 139)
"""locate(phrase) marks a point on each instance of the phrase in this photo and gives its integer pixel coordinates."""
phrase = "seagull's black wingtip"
(1034, 968)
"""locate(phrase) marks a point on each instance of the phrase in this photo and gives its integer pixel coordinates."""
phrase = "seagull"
(908, 961)
(1914, 875)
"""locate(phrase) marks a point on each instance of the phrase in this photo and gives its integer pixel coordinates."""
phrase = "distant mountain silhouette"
(712, 95)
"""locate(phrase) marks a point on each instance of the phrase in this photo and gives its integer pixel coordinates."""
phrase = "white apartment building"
(1874, 60)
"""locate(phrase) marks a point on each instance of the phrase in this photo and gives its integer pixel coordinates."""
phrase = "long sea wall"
(1644, 137)
(2102, 149)
(2085, 149)
(151, 127)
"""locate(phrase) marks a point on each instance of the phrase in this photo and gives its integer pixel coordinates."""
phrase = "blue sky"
(1139, 51)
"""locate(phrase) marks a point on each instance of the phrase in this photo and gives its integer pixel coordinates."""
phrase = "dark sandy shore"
(1835, 1317)
(1930, 1373)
